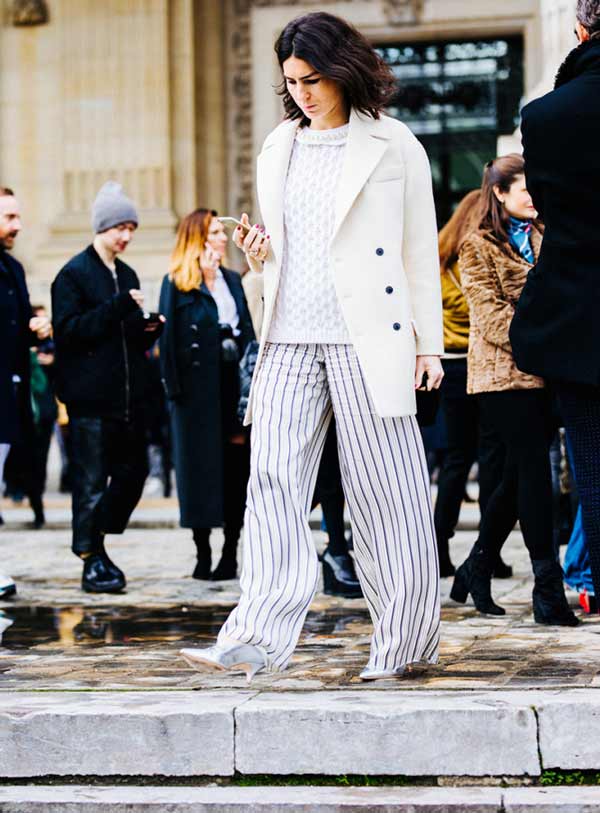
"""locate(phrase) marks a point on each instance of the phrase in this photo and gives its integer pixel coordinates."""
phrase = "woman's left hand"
(432, 367)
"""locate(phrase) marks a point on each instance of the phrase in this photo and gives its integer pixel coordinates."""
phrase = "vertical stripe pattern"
(386, 485)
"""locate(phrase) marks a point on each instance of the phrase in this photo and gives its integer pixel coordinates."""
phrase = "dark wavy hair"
(339, 52)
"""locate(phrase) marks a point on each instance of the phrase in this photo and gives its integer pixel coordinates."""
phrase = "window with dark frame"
(457, 97)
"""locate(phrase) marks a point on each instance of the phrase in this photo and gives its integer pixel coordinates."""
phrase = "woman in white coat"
(352, 325)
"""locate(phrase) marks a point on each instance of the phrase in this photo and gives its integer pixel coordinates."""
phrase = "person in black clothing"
(555, 332)
(101, 335)
(25, 471)
(207, 331)
(18, 330)
(339, 573)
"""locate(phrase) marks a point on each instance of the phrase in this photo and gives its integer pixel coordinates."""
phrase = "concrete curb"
(217, 733)
(90, 799)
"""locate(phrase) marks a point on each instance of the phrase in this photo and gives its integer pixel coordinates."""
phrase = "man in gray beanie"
(102, 335)
(111, 208)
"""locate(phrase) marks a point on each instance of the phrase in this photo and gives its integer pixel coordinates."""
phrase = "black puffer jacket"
(100, 338)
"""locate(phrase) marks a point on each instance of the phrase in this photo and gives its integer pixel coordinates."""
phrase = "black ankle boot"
(501, 569)
(339, 576)
(549, 601)
(97, 578)
(474, 576)
(37, 506)
(204, 558)
(446, 566)
(110, 565)
(227, 567)
(225, 570)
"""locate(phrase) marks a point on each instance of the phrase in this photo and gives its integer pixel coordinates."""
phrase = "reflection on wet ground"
(127, 626)
(104, 647)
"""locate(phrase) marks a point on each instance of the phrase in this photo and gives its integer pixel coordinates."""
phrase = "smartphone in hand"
(234, 221)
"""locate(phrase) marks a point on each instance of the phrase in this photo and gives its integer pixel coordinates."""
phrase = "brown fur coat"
(493, 275)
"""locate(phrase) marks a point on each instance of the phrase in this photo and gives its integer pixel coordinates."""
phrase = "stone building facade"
(174, 97)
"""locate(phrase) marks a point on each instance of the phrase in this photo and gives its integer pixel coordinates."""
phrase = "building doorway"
(457, 97)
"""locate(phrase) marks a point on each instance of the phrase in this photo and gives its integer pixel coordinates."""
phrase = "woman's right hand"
(255, 244)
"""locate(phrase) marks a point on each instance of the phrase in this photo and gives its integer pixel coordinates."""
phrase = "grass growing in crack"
(343, 780)
(570, 778)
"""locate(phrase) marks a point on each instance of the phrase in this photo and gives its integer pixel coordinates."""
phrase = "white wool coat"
(384, 251)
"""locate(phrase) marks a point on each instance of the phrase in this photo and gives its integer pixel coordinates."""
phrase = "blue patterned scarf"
(518, 234)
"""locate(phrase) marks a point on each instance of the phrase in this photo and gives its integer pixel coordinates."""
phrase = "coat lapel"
(273, 165)
(367, 142)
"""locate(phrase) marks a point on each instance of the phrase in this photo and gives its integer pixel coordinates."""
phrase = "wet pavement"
(61, 639)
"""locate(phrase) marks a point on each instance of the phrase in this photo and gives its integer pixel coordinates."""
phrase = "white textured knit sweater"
(307, 309)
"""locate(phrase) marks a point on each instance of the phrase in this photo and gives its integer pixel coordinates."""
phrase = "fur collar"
(583, 58)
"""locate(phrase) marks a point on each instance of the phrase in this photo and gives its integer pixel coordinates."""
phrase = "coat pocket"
(394, 172)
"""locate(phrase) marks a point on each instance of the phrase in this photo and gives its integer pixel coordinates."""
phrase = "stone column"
(115, 122)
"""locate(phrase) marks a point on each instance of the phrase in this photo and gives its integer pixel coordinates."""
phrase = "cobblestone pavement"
(62, 638)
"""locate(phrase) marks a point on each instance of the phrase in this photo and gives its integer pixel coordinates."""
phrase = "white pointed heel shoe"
(234, 657)
(381, 674)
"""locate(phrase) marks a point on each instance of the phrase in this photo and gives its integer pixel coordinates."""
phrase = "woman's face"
(217, 237)
(517, 201)
(319, 98)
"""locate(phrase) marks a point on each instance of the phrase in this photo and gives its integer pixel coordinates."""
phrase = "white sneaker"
(7, 587)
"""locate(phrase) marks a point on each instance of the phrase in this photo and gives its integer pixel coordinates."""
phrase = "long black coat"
(556, 329)
(15, 421)
(100, 338)
(202, 395)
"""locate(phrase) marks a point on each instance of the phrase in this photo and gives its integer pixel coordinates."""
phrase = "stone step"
(93, 799)
(218, 733)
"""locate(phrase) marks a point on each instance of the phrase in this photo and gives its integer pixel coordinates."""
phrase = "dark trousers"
(524, 421)
(469, 439)
(580, 408)
(43, 436)
(236, 471)
(329, 492)
(109, 467)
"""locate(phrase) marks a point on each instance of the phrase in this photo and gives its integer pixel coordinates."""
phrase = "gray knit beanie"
(112, 207)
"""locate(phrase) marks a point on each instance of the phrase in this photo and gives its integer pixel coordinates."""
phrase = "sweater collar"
(584, 58)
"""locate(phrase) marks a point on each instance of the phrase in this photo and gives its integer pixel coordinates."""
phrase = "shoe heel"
(460, 589)
(251, 669)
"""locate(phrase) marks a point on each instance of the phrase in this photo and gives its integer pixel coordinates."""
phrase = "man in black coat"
(556, 329)
(102, 335)
(18, 330)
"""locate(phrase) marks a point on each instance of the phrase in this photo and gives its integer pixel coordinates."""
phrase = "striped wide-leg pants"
(386, 484)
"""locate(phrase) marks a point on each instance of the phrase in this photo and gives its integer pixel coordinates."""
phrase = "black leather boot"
(446, 566)
(501, 569)
(474, 576)
(110, 565)
(339, 576)
(37, 506)
(549, 601)
(97, 578)
(204, 557)
(227, 567)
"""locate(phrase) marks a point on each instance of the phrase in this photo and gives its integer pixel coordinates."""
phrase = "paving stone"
(257, 800)
(552, 800)
(387, 732)
(123, 733)
(569, 730)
